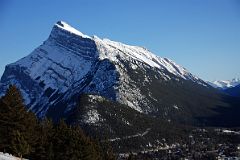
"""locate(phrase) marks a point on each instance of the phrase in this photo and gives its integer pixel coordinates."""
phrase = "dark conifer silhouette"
(17, 125)
(22, 135)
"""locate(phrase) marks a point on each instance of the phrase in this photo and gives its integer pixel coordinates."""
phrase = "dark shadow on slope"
(227, 115)
(234, 91)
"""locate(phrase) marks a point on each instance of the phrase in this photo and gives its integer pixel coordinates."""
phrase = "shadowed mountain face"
(129, 79)
(234, 91)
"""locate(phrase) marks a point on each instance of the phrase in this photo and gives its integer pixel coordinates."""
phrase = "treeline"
(23, 135)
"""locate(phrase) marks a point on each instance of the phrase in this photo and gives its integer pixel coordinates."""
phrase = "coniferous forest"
(23, 135)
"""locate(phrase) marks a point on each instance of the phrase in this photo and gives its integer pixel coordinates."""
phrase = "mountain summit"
(110, 86)
(114, 90)
(68, 28)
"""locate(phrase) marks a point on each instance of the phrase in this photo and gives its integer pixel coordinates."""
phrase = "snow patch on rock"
(175, 106)
(92, 117)
(6, 156)
(67, 27)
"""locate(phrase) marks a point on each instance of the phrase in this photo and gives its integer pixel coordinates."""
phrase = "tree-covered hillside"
(23, 135)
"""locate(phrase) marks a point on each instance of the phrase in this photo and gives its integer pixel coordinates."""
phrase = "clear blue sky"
(201, 35)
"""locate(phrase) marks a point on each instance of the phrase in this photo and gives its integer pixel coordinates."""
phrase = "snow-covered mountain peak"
(69, 62)
(236, 80)
(111, 49)
(63, 25)
(224, 84)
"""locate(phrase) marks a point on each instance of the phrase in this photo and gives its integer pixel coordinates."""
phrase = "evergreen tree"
(21, 134)
(107, 150)
(15, 121)
(19, 145)
(44, 146)
(71, 143)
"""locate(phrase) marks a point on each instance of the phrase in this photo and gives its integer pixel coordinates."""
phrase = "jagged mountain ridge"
(70, 63)
(225, 84)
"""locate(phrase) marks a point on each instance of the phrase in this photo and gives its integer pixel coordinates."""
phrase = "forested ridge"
(23, 135)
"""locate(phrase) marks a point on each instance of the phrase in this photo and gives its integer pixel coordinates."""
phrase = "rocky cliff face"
(136, 99)
(70, 63)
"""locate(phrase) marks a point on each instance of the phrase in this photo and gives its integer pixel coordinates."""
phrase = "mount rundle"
(70, 74)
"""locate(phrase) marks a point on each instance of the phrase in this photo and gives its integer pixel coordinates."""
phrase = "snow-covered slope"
(6, 156)
(110, 49)
(112, 89)
(70, 63)
(225, 84)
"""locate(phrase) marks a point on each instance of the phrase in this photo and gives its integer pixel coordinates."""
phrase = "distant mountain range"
(231, 87)
(114, 90)
(225, 84)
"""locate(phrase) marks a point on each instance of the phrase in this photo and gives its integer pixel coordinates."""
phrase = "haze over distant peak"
(224, 84)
